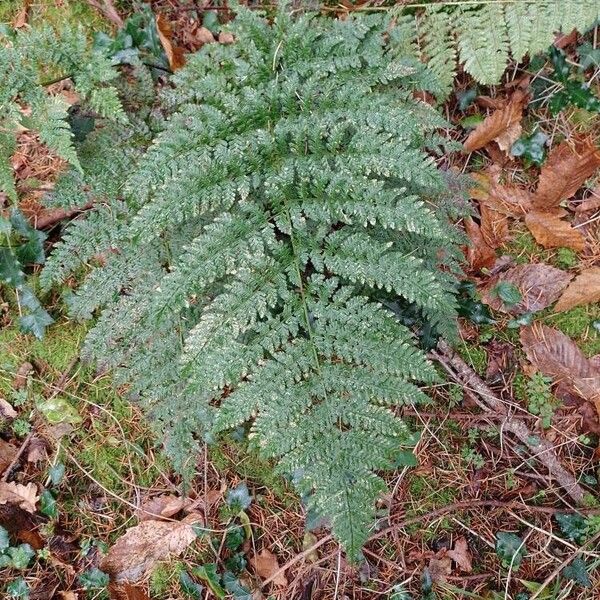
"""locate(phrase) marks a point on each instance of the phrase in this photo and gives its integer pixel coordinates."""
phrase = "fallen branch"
(53, 216)
(539, 447)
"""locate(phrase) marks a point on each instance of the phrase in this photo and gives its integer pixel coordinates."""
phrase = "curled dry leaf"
(136, 552)
(565, 171)
(461, 555)
(540, 285)
(585, 289)
(265, 564)
(17, 494)
(494, 226)
(165, 33)
(479, 254)
(556, 355)
(164, 506)
(551, 231)
(36, 450)
(591, 203)
(502, 126)
(6, 410)
(510, 200)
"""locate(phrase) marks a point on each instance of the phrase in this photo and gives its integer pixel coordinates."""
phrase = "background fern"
(243, 264)
(487, 34)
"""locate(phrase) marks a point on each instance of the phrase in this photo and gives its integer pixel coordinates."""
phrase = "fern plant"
(484, 35)
(250, 267)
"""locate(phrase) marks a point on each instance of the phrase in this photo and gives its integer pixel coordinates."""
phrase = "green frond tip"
(242, 268)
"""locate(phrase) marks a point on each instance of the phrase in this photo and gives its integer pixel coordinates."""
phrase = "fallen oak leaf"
(266, 565)
(23, 496)
(568, 166)
(585, 289)
(165, 506)
(539, 285)
(461, 555)
(136, 552)
(165, 33)
(551, 231)
(502, 126)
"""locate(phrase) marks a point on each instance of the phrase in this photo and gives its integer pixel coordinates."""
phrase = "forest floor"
(474, 512)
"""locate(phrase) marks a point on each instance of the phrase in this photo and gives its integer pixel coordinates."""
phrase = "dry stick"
(538, 446)
(51, 217)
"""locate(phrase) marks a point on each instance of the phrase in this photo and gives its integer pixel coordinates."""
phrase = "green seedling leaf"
(235, 538)
(510, 549)
(235, 588)
(93, 579)
(56, 472)
(189, 587)
(58, 410)
(4, 539)
(18, 588)
(508, 293)
(577, 572)
(208, 574)
(239, 498)
(21, 555)
(48, 504)
(573, 526)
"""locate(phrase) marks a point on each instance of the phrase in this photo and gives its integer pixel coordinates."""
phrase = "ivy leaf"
(573, 526)
(37, 319)
(56, 472)
(510, 548)
(18, 588)
(21, 555)
(405, 458)
(235, 588)
(4, 539)
(235, 538)
(48, 505)
(508, 292)
(239, 498)
(236, 563)
(189, 586)
(32, 251)
(577, 572)
(93, 579)
(532, 149)
(208, 573)
(11, 272)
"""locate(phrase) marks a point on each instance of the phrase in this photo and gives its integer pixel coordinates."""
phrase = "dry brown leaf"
(568, 166)
(204, 35)
(36, 450)
(20, 19)
(551, 231)
(165, 33)
(478, 253)
(126, 591)
(136, 552)
(226, 38)
(539, 284)
(23, 372)
(585, 289)
(510, 200)
(502, 126)
(7, 454)
(165, 506)
(439, 568)
(556, 355)
(591, 203)
(265, 564)
(494, 226)
(68, 596)
(23, 496)
(461, 555)
(6, 410)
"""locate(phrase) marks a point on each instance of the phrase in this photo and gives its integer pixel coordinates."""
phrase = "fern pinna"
(247, 277)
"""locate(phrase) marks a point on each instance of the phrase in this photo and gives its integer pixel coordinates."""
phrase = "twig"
(107, 8)
(56, 215)
(18, 455)
(540, 448)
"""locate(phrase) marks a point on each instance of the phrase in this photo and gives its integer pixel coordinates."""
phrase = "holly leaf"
(510, 549)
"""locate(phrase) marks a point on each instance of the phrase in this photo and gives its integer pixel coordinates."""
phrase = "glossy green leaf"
(190, 587)
(21, 555)
(48, 504)
(508, 293)
(93, 579)
(208, 574)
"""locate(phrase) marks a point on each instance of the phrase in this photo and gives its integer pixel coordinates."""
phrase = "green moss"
(475, 356)
(578, 324)
(565, 258)
(522, 246)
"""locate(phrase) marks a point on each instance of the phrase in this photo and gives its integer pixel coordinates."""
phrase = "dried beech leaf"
(266, 565)
(550, 231)
(136, 552)
(165, 506)
(502, 126)
(165, 33)
(510, 200)
(440, 568)
(565, 171)
(478, 253)
(23, 496)
(539, 284)
(461, 555)
(494, 226)
(591, 203)
(556, 355)
(585, 289)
